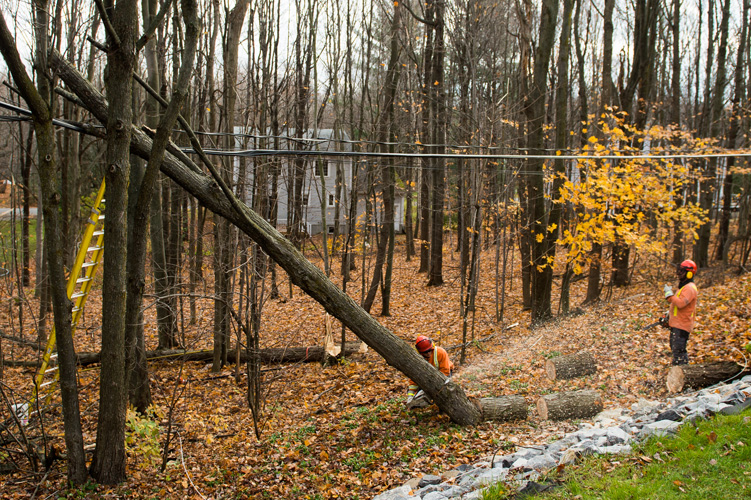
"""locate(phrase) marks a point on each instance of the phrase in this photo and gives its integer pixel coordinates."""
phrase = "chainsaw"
(663, 322)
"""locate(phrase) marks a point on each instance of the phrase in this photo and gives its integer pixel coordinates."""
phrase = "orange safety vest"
(439, 360)
(683, 308)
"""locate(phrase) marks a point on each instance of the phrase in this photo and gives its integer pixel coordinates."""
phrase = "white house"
(336, 143)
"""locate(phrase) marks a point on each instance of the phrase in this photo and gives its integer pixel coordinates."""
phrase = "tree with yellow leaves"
(636, 199)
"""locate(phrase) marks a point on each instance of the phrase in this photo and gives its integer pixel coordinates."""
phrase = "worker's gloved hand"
(668, 291)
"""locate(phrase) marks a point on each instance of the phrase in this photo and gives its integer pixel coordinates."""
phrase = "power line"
(285, 152)
(375, 154)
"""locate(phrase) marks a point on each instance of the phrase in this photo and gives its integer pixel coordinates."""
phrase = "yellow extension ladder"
(79, 283)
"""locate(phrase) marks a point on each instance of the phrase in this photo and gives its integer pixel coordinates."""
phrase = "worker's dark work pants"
(678, 341)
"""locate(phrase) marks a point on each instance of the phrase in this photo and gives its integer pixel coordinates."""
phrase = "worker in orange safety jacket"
(438, 358)
(682, 312)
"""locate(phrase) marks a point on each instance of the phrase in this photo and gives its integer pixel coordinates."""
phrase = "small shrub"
(142, 436)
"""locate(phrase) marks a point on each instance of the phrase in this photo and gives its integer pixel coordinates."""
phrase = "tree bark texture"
(541, 272)
(39, 102)
(503, 408)
(702, 375)
(108, 463)
(276, 355)
(571, 366)
(569, 405)
(447, 395)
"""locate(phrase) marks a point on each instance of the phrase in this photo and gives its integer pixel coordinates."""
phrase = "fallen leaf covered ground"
(341, 431)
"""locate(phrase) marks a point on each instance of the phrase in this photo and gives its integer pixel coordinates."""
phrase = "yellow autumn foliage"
(634, 200)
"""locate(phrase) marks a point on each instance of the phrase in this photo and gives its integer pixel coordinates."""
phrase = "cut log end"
(676, 380)
(702, 375)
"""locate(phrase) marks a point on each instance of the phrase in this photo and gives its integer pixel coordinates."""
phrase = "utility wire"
(89, 129)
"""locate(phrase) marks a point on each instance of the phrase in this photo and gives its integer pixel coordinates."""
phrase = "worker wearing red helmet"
(436, 356)
(682, 312)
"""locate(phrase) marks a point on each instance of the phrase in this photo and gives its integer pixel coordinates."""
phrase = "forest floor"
(342, 431)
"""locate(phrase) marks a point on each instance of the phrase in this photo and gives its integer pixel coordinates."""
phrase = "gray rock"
(541, 462)
(427, 489)
(503, 462)
(616, 449)
(669, 415)
(661, 428)
(519, 463)
(642, 407)
(469, 479)
(628, 428)
(456, 491)
(492, 476)
(736, 409)
(556, 447)
(734, 398)
(527, 453)
(585, 448)
(400, 493)
(710, 399)
(584, 434)
(473, 495)
(616, 435)
(435, 495)
(428, 479)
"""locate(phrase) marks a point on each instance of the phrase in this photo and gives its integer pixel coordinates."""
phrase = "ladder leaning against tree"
(79, 284)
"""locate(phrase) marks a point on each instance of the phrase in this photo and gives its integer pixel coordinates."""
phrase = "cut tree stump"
(569, 405)
(504, 408)
(571, 366)
(703, 375)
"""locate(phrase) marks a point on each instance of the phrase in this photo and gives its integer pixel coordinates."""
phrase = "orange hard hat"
(688, 265)
(423, 344)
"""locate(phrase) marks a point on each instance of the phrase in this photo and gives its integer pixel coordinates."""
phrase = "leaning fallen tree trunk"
(703, 375)
(449, 397)
(503, 408)
(569, 405)
(267, 356)
(571, 366)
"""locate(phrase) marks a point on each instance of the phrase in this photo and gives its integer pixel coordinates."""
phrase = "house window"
(305, 200)
(332, 201)
(322, 165)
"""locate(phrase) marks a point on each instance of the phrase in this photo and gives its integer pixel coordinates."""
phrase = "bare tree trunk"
(541, 274)
(224, 252)
(438, 138)
(732, 134)
(39, 101)
(108, 463)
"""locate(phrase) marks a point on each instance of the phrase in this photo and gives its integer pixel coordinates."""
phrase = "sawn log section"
(569, 405)
(503, 408)
(571, 366)
(703, 375)
(266, 356)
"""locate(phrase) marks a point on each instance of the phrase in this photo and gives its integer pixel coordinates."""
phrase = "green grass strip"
(708, 460)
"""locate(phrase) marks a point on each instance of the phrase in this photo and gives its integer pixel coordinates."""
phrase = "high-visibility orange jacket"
(439, 359)
(683, 307)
